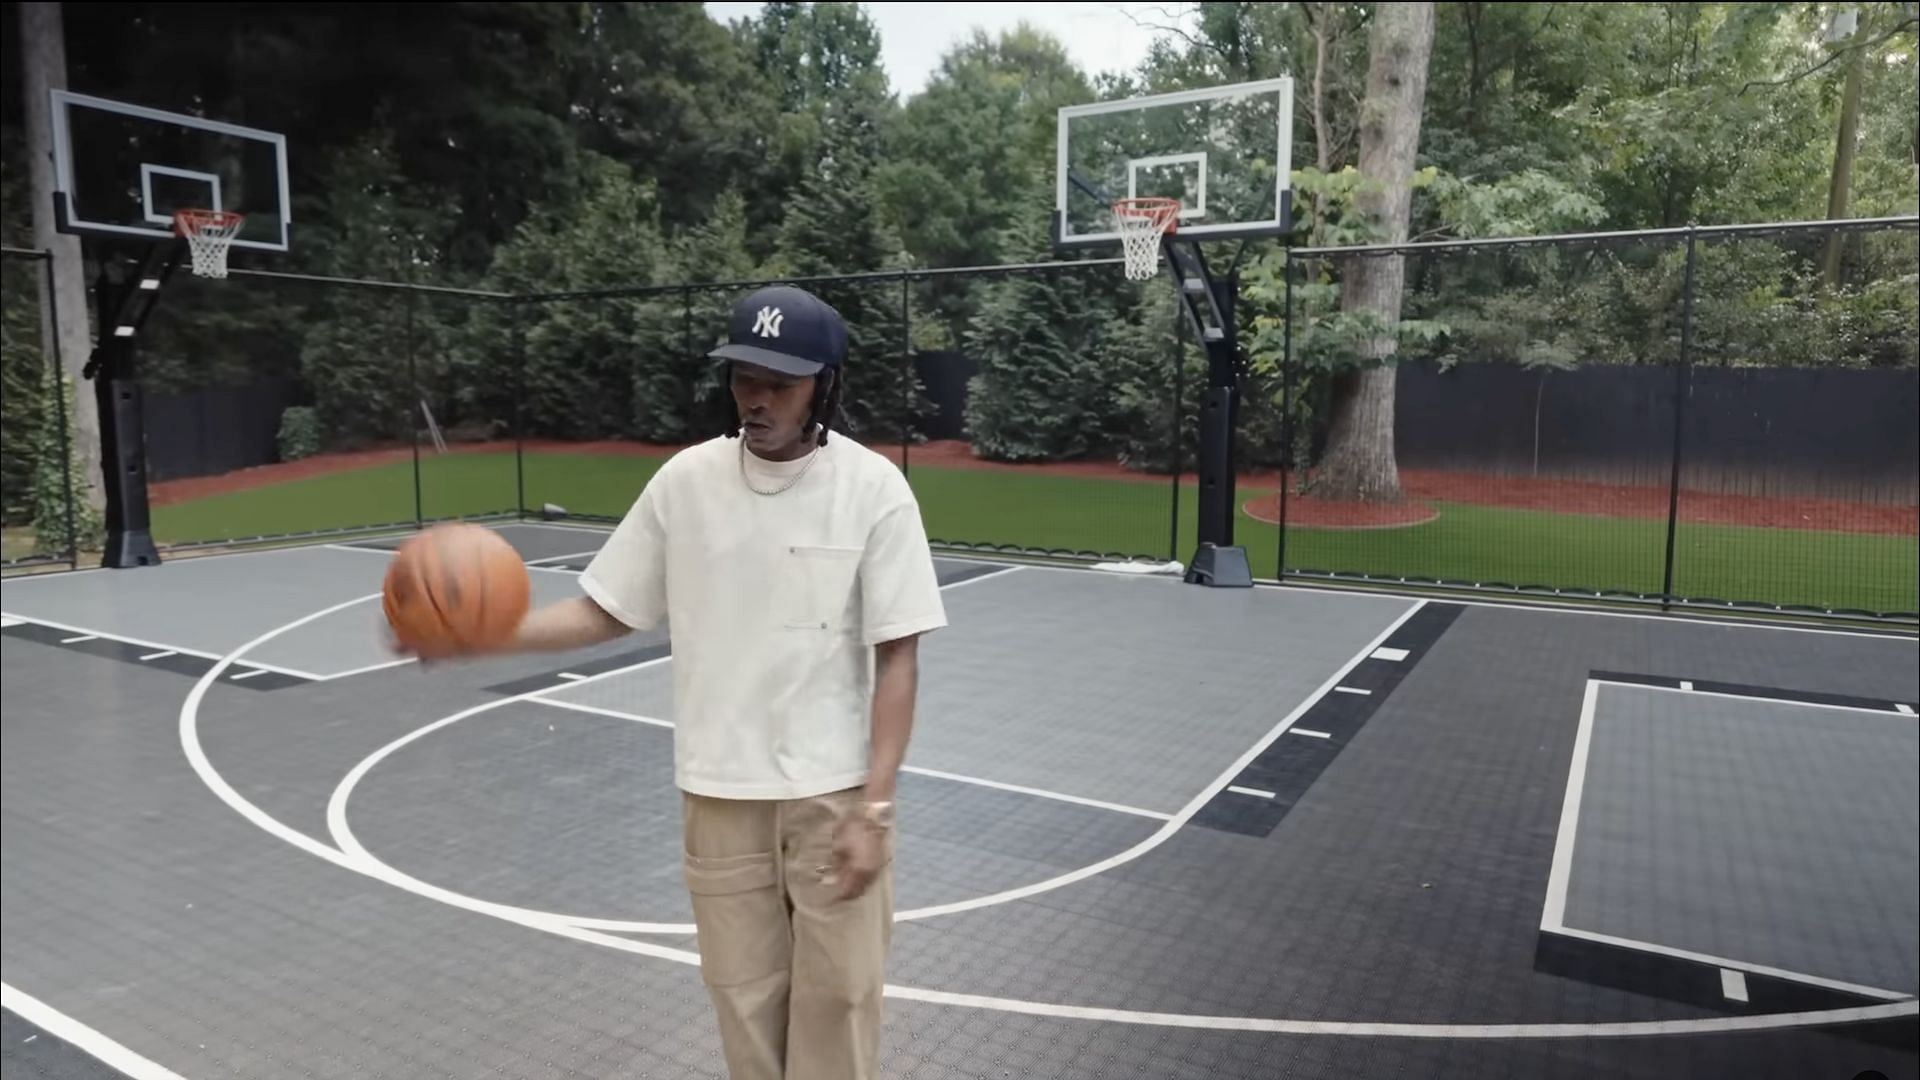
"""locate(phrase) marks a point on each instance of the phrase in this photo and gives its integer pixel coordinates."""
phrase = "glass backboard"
(121, 170)
(1225, 152)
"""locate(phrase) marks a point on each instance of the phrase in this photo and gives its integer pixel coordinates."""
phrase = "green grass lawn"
(1465, 543)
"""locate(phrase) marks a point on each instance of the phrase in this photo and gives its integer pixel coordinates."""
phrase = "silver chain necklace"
(797, 477)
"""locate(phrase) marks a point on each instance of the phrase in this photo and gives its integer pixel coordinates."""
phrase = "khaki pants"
(795, 973)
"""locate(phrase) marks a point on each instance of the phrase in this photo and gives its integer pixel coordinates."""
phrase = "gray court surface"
(576, 814)
(1761, 831)
(213, 605)
(535, 543)
(1405, 886)
(1129, 691)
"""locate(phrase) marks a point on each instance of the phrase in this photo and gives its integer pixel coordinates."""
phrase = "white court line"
(1553, 915)
(1352, 690)
(158, 655)
(1868, 709)
(558, 558)
(1253, 791)
(1729, 963)
(571, 677)
(574, 706)
(8, 620)
(1041, 793)
(1903, 709)
(1686, 685)
(604, 530)
(1392, 655)
(218, 785)
(988, 576)
(64, 1027)
(386, 553)
(1574, 605)
(1733, 984)
(1310, 734)
(1627, 1029)
(254, 674)
(79, 639)
(50, 624)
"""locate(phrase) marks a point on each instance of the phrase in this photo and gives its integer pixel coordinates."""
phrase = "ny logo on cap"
(767, 323)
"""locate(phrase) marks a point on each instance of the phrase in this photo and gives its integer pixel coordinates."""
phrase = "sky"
(1098, 36)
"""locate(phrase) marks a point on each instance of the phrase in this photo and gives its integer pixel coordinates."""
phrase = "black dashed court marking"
(170, 660)
(1286, 769)
(574, 672)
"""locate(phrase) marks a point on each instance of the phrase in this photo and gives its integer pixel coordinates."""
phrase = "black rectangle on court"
(558, 676)
(151, 656)
(1283, 772)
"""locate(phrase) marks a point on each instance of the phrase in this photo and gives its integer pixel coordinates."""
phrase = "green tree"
(358, 349)
(968, 151)
(821, 66)
(1065, 357)
(579, 361)
(677, 98)
(831, 229)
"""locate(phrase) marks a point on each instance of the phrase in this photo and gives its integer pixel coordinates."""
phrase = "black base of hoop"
(1220, 568)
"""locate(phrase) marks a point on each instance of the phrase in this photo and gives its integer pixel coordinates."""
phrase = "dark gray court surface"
(1149, 830)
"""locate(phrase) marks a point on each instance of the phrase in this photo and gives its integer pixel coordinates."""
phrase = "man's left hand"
(859, 854)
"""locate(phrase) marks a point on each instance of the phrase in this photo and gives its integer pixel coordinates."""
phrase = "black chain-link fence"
(1683, 417)
(1690, 417)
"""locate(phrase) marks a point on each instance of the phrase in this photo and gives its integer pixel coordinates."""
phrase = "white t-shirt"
(774, 604)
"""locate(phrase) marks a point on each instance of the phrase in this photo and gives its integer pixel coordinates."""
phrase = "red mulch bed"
(1421, 487)
(1315, 513)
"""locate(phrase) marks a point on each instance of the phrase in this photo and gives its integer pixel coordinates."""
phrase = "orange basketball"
(456, 589)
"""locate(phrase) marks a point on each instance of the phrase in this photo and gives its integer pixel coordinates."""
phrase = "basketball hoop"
(1141, 223)
(209, 234)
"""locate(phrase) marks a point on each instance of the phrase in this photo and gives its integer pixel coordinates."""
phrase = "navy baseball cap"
(787, 330)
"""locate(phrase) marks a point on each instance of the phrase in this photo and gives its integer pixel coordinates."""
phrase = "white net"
(209, 235)
(1141, 223)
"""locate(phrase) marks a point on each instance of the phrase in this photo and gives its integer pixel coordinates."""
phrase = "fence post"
(1682, 383)
(906, 359)
(1174, 433)
(517, 334)
(413, 420)
(687, 349)
(60, 409)
(1286, 417)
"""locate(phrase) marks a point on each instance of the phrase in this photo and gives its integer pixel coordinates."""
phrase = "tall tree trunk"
(43, 54)
(1840, 183)
(1322, 138)
(1360, 462)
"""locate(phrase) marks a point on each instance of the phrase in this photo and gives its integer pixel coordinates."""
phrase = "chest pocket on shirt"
(817, 586)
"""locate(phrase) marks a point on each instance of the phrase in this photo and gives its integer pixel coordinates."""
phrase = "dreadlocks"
(826, 403)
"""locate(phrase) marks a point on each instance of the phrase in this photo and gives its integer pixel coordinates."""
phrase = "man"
(795, 574)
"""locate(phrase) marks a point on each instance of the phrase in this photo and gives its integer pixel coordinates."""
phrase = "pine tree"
(831, 228)
(1040, 341)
